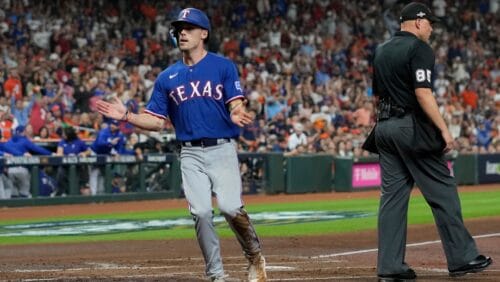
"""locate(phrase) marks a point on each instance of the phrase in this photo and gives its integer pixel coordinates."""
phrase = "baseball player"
(20, 175)
(202, 96)
(403, 69)
(109, 141)
(5, 183)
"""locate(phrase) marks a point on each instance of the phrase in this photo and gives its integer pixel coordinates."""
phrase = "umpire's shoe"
(257, 269)
(479, 264)
(408, 275)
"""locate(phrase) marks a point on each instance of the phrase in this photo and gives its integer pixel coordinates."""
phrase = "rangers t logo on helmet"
(192, 16)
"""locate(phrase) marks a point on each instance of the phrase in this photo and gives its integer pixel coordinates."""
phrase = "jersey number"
(422, 75)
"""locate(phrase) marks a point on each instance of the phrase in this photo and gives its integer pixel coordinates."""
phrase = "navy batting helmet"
(192, 16)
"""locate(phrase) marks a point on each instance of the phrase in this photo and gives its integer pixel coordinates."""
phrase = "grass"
(474, 205)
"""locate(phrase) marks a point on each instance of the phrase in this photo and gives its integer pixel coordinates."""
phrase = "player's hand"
(240, 116)
(115, 110)
(115, 140)
(448, 140)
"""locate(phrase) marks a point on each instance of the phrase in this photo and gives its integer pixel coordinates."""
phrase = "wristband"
(231, 109)
(125, 116)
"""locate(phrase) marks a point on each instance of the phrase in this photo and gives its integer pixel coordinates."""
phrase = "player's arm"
(118, 111)
(235, 101)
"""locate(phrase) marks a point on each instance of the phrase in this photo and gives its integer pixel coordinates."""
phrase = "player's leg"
(225, 175)
(24, 182)
(100, 181)
(8, 186)
(3, 193)
(433, 177)
(20, 177)
(94, 179)
(197, 188)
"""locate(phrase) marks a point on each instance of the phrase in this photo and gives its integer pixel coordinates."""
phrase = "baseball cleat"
(218, 279)
(257, 269)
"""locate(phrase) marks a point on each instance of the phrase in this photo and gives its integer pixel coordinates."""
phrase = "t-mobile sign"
(369, 175)
(366, 175)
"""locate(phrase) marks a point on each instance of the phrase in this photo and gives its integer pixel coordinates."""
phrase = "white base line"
(408, 245)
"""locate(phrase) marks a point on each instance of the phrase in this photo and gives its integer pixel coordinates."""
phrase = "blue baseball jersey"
(73, 147)
(195, 98)
(102, 144)
(9, 149)
(21, 144)
(47, 184)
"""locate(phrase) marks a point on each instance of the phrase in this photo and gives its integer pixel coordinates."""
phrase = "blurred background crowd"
(305, 67)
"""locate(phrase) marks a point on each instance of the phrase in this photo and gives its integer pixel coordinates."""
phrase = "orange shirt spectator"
(13, 86)
(5, 126)
(148, 11)
(470, 97)
(230, 47)
(130, 44)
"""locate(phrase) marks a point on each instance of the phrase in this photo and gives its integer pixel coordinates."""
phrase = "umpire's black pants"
(401, 168)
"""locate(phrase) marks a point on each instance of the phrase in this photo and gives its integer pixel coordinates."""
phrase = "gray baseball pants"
(214, 170)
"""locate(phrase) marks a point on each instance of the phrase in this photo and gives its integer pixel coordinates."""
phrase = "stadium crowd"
(305, 67)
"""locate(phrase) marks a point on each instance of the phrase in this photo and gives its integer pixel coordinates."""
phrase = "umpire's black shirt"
(402, 64)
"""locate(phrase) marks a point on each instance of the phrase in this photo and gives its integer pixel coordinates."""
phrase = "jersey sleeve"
(232, 84)
(422, 65)
(158, 103)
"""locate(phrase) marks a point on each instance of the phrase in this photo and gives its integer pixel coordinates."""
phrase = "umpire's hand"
(448, 139)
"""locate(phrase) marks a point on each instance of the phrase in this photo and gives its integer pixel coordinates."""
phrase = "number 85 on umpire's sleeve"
(423, 75)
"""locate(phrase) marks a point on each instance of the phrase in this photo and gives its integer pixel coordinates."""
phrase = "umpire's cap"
(416, 10)
(192, 16)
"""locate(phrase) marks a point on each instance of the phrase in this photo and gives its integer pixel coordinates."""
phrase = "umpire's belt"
(205, 142)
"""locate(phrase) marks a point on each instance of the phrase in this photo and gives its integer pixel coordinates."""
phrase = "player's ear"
(204, 34)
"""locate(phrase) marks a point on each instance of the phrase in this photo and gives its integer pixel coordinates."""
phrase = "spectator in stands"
(363, 115)
(13, 87)
(70, 145)
(19, 175)
(250, 133)
(44, 133)
(20, 112)
(5, 124)
(483, 134)
(298, 137)
(97, 60)
(470, 97)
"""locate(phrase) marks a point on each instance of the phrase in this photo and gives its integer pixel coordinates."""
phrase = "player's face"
(190, 37)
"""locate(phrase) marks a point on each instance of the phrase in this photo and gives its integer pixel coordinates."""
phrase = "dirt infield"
(341, 257)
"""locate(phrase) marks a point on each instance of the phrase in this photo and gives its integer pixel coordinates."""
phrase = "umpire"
(402, 82)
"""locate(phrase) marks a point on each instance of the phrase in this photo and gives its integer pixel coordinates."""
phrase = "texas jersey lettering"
(195, 98)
